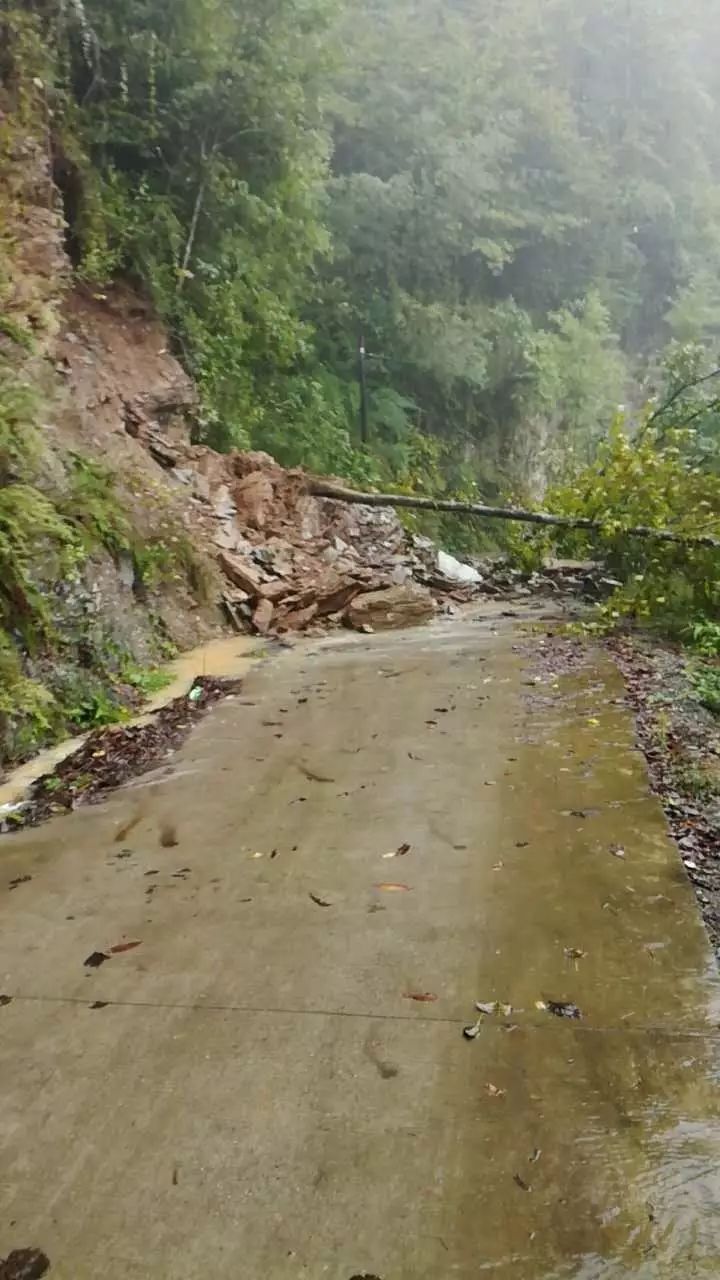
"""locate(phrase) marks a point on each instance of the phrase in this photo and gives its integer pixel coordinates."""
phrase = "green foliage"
(95, 709)
(704, 637)
(705, 681)
(20, 445)
(649, 481)
(146, 680)
(28, 712)
(93, 506)
(36, 548)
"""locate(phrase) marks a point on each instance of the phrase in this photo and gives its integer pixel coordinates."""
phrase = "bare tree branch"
(325, 489)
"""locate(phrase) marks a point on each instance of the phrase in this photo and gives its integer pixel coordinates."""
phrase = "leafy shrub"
(705, 680)
(650, 481)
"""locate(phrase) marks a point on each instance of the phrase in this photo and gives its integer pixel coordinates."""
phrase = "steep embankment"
(120, 540)
(99, 574)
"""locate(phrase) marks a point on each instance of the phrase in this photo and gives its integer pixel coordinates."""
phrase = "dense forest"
(513, 206)
(516, 204)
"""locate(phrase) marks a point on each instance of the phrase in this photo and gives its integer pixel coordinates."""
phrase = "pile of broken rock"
(293, 560)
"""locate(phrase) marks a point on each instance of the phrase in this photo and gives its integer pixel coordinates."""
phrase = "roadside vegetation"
(516, 208)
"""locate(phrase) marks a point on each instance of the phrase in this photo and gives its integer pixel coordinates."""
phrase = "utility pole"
(363, 390)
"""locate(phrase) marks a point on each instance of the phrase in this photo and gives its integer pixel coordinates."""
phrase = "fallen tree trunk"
(324, 489)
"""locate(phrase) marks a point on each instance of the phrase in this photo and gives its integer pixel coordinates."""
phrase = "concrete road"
(255, 1092)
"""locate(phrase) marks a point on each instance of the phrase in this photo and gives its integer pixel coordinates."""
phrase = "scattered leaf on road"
(320, 902)
(5, 1000)
(494, 1092)
(423, 997)
(399, 852)
(574, 953)
(168, 836)
(491, 1007)
(127, 828)
(24, 1264)
(521, 1183)
(533, 1159)
(394, 888)
(95, 959)
(617, 850)
(563, 1009)
(99, 1004)
(471, 1033)
(312, 775)
(125, 946)
(19, 880)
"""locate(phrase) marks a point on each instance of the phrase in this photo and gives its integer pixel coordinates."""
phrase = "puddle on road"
(228, 656)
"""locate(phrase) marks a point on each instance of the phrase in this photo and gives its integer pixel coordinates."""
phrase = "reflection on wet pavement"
(397, 829)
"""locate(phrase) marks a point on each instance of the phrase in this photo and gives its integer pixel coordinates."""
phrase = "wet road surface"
(256, 1094)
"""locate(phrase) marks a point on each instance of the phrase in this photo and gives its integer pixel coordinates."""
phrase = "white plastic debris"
(456, 571)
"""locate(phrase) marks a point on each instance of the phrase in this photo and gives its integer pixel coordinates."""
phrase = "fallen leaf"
(168, 836)
(312, 775)
(321, 902)
(574, 953)
(127, 828)
(124, 946)
(521, 844)
(95, 959)
(533, 1159)
(494, 1092)
(498, 866)
(563, 1009)
(491, 1007)
(4, 1001)
(617, 850)
(423, 997)
(24, 1264)
(99, 1004)
(521, 1183)
(19, 880)
(394, 888)
(540, 1004)
(398, 853)
(593, 721)
(471, 1033)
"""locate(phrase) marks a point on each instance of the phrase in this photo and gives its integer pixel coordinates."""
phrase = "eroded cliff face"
(100, 573)
(122, 540)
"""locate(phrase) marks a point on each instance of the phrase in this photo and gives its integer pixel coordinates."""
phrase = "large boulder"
(403, 606)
